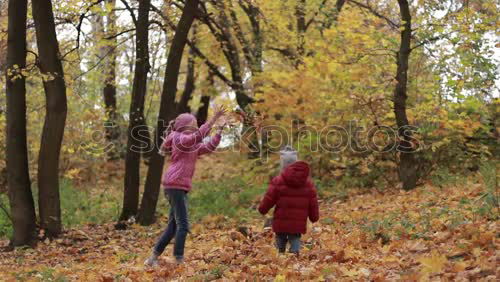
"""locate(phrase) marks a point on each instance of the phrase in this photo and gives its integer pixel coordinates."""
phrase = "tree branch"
(311, 20)
(119, 33)
(428, 40)
(240, 36)
(287, 52)
(131, 11)
(375, 13)
(102, 58)
(79, 27)
(213, 68)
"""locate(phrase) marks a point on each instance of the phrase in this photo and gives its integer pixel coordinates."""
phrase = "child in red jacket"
(295, 198)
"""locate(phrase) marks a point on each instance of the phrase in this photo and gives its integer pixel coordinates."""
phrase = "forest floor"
(430, 233)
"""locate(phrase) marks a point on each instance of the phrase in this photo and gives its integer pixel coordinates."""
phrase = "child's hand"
(219, 112)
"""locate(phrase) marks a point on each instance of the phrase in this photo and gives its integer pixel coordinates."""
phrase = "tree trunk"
(55, 117)
(133, 157)
(109, 90)
(300, 13)
(3, 40)
(202, 112)
(231, 52)
(167, 111)
(339, 4)
(18, 179)
(407, 166)
(189, 86)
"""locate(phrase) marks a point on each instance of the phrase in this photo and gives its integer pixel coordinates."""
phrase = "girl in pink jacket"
(185, 144)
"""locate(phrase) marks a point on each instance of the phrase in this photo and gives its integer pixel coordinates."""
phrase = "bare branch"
(311, 20)
(375, 13)
(213, 68)
(131, 11)
(101, 59)
(239, 35)
(79, 26)
(427, 41)
(119, 34)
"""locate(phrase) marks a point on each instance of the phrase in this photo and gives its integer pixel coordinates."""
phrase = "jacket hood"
(296, 174)
(179, 124)
(183, 121)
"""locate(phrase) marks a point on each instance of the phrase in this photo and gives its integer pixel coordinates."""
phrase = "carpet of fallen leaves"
(429, 234)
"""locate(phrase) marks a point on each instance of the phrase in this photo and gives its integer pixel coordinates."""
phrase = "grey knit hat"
(287, 156)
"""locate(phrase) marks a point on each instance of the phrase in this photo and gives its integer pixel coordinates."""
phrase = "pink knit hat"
(183, 120)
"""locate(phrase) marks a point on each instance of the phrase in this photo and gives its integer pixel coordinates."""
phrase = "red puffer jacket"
(295, 198)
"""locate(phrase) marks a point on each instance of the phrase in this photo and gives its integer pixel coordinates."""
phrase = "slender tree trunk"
(202, 112)
(147, 145)
(167, 110)
(257, 69)
(133, 157)
(231, 52)
(407, 166)
(109, 90)
(300, 13)
(252, 50)
(189, 86)
(55, 117)
(97, 33)
(3, 40)
(18, 179)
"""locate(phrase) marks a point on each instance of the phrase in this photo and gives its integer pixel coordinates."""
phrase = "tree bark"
(202, 112)
(3, 41)
(18, 179)
(136, 122)
(109, 90)
(407, 166)
(300, 13)
(167, 111)
(231, 52)
(252, 49)
(189, 86)
(55, 117)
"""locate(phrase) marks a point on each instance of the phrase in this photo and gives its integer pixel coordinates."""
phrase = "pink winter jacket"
(185, 149)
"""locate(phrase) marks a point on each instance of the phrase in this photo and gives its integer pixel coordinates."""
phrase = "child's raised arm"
(211, 145)
(189, 140)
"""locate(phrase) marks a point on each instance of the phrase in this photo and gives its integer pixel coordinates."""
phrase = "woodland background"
(87, 82)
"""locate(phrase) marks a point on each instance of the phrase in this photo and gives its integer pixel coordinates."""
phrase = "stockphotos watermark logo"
(333, 138)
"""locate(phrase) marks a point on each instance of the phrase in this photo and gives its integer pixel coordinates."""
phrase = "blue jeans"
(178, 224)
(283, 238)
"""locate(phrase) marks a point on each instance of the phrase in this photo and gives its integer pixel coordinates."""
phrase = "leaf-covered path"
(426, 234)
